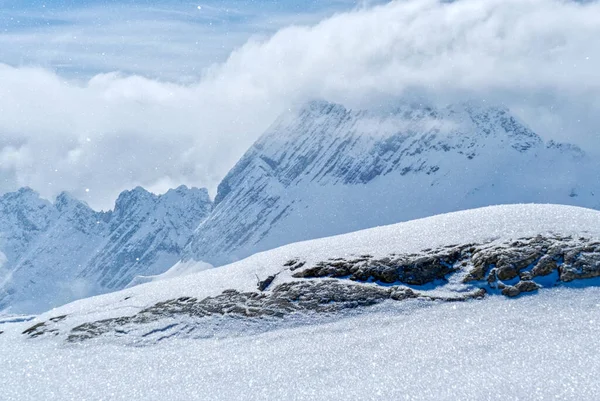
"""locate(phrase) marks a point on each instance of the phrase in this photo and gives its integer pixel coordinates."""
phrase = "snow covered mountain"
(55, 253)
(318, 171)
(474, 254)
(325, 170)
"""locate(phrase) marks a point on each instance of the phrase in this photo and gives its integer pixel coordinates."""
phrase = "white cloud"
(539, 57)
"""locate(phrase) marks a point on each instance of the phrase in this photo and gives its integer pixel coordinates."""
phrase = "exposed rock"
(337, 284)
(519, 288)
(417, 270)
(264, 284)
(578, 259)
(510, 291)
(507, 272)
(526, 286)
(524, 259)
(525, 276)
(529, 257)
(477, 273)
(307, 296)
(36, 330)
(579, 264)
(300, 296)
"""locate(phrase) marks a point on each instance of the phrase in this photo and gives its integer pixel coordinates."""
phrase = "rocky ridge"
(447, 274)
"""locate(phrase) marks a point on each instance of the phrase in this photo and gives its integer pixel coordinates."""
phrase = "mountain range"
(52, 253)
(320, 170)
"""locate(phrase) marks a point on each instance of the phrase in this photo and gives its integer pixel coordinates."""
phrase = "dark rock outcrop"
(418, 270)
(457, 273)
(327, 296)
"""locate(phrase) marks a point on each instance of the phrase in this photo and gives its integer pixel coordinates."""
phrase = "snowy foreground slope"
(543, 347)
(53, 253)
(215, 335)
(323, 170)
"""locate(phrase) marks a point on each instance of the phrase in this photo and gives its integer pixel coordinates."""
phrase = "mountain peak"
(66, 201)
(23, 194)
(26, 190)
(319, 106)
(185, 191)
(137, 192)
(323, 169)
(135, 198)
(50, 245)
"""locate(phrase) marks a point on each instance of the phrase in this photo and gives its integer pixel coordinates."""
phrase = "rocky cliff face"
(147, 234)
(325, 170)
(55, 253)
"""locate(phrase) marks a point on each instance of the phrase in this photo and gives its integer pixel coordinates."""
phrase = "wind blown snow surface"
(537, 347)
(533, 348)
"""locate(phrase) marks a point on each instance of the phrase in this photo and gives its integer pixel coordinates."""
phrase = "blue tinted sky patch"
(169, 40)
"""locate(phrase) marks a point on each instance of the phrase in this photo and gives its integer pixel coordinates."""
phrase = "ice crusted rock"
(147, 235)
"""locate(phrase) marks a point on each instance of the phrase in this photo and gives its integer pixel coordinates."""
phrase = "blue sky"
(169, 40)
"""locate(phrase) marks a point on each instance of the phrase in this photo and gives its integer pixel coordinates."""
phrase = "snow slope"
(452, 247)
(324, 170)
(535, 347)
(532, 348)
(61, 251)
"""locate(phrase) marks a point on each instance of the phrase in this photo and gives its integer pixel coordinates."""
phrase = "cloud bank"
(538, 57)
